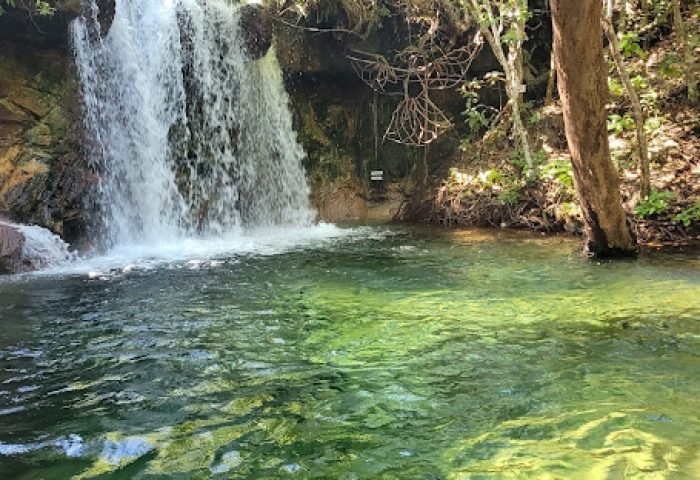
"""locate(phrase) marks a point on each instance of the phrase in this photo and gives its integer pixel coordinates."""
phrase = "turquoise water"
(401, 353)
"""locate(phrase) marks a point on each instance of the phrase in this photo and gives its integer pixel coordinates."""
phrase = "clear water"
(386, 354)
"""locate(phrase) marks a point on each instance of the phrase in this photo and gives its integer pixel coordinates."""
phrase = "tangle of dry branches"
(414, 73)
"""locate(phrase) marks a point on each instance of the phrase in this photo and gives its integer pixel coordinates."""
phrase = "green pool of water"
(406, 354)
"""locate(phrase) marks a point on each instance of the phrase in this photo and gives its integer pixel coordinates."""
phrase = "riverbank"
(484, 184)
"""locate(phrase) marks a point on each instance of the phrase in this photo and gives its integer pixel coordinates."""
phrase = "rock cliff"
(44, 177)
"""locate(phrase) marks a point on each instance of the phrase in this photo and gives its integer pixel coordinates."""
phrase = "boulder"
(105, 14)
(11, 245)
(256, 30)
(71, 7)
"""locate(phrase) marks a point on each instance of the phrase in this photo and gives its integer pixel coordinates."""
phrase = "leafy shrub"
(655, 203)
(42, 7)
(639, 82)
(619, 124)
(688, 215)
(617, 89)
(653, 123)
(629, 45)
(538, 158)
(510, 195)
(559, 170)
(535, 118)
(670, 65)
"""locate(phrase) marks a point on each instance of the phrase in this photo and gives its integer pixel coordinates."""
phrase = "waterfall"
(188, 135)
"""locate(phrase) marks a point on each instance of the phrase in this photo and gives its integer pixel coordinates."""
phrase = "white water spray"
(189, 136)
(41, 248)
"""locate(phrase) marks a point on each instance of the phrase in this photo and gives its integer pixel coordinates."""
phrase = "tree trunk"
(516, 83)
(685, 50)
(622, 21)
(551, 81)
(583, 90)
(639, 117)
(492, 28)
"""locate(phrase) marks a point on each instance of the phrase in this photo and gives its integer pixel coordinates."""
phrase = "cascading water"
(189, 136)
(40, 248)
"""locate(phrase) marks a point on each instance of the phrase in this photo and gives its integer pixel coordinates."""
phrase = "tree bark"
(686, 51)
(492, 23)
(583, 90)
(551, 81)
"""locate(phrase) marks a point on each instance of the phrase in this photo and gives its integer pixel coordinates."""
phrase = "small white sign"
(376, 175)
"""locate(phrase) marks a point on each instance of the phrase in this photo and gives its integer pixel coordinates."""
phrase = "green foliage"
(655, 203)
(622, 160)
(6, 3)
(510, 186)
(639, 82)
(649, 101)
(629, 45)
(559, 170)
(617, 89)
(505, 185)
(535, 118)
(670, 65)
(42, 7)
(478, 117)
(474, 112)
(688, 215)
(620, 124)
(510, 195)
(539, 158)
(653, 123)
(570, 209)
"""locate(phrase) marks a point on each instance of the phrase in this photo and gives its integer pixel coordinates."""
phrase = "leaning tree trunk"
(583, 89)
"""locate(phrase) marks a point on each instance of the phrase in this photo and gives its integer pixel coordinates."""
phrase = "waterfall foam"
(189, 136)
(40, 248)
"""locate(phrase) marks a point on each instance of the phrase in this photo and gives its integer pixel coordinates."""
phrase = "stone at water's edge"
(256, 30)
(11, 245)
(26, 248)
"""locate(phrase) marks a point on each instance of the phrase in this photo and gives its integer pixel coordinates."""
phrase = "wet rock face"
(44, 178)
(256, 30)
(105, 14)
(11, 245)
(70, 7)
(75, 8)
(50, 31)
